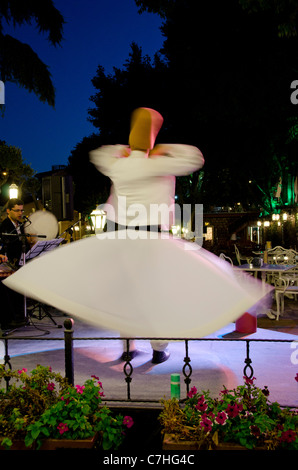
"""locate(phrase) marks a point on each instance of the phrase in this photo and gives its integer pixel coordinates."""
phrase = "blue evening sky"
(97, 32)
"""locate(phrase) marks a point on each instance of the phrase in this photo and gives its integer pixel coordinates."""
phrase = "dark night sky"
(96, 32)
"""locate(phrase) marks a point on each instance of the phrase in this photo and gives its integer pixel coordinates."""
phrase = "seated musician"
(12, 304)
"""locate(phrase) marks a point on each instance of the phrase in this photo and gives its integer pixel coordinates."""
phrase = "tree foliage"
(222, 82)
(14, 170)
(117, 94)
(18, 62)
(91, 187)
(229, 73)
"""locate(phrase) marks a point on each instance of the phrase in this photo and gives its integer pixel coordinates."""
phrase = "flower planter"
(18, 444)
(170, 443)
(239, 419)
(54, 444)
(43, 412)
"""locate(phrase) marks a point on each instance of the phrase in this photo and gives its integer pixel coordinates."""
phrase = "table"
(267, 268)
(264, 270)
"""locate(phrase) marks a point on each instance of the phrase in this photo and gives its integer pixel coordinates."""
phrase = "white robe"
(157, 287)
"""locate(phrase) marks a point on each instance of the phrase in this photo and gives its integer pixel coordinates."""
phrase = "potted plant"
(242, 417)
(44, 412)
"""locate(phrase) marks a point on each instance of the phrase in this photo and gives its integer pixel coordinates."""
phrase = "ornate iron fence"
(128, 367)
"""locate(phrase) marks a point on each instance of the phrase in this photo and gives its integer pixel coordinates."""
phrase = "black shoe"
(129, 356)
(159, 356)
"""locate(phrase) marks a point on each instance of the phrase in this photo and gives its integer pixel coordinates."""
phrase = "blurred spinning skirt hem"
(142, 284)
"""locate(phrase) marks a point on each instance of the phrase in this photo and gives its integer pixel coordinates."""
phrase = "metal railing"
(187, 370)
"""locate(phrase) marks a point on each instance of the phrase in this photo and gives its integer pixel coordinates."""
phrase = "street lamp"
(98, 217)
(13, 191)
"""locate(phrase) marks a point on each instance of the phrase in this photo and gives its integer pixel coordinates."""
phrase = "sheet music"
(41, 247)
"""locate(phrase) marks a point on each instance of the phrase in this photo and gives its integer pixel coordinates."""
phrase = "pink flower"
(22, 370)
(80, 388)
(288, 436)
(206, 423)
(66, 400)
(94, 377)
(255, 431)
(51, 386)
(62, 427)
(192, 392)
(234, 410)
(201, 405)
(221, 418)
(128, 421)
(249, 381)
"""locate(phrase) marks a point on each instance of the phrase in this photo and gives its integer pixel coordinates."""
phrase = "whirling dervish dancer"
(142, 283)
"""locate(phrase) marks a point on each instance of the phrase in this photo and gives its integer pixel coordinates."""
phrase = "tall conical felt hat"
(144, 127)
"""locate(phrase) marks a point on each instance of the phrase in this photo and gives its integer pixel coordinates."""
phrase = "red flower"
(192, 392)
(51, 386)
(221, 418)
(288, 436)
(62, 427)
(249, 381)
(128, 421)
(201, 405)
(206, 423)
(255, 431)
(233, 410)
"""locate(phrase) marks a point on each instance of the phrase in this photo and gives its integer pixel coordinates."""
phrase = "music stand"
(40, 248)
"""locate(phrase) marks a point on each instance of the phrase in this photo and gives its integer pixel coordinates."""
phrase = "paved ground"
(213, 363)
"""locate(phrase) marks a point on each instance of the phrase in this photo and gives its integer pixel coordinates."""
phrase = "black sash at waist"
(114, 226)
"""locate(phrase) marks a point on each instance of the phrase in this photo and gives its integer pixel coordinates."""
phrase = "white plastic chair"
(247, 259)
(226, 258)
(285, 286)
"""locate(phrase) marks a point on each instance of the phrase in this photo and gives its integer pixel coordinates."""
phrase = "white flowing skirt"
(161, 287)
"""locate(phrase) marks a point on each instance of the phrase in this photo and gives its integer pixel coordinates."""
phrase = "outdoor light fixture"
(266, 223)
(275, 216)
(98, 217)
(285, 216)
(13, 191)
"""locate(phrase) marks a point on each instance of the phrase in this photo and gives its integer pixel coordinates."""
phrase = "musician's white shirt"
(143, 187)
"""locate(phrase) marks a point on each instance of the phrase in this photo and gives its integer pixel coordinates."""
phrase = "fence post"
(187, 359)
(248, 362)
(68, 348)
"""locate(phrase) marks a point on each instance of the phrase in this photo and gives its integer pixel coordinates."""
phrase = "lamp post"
(98, 218)
(13, 191)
